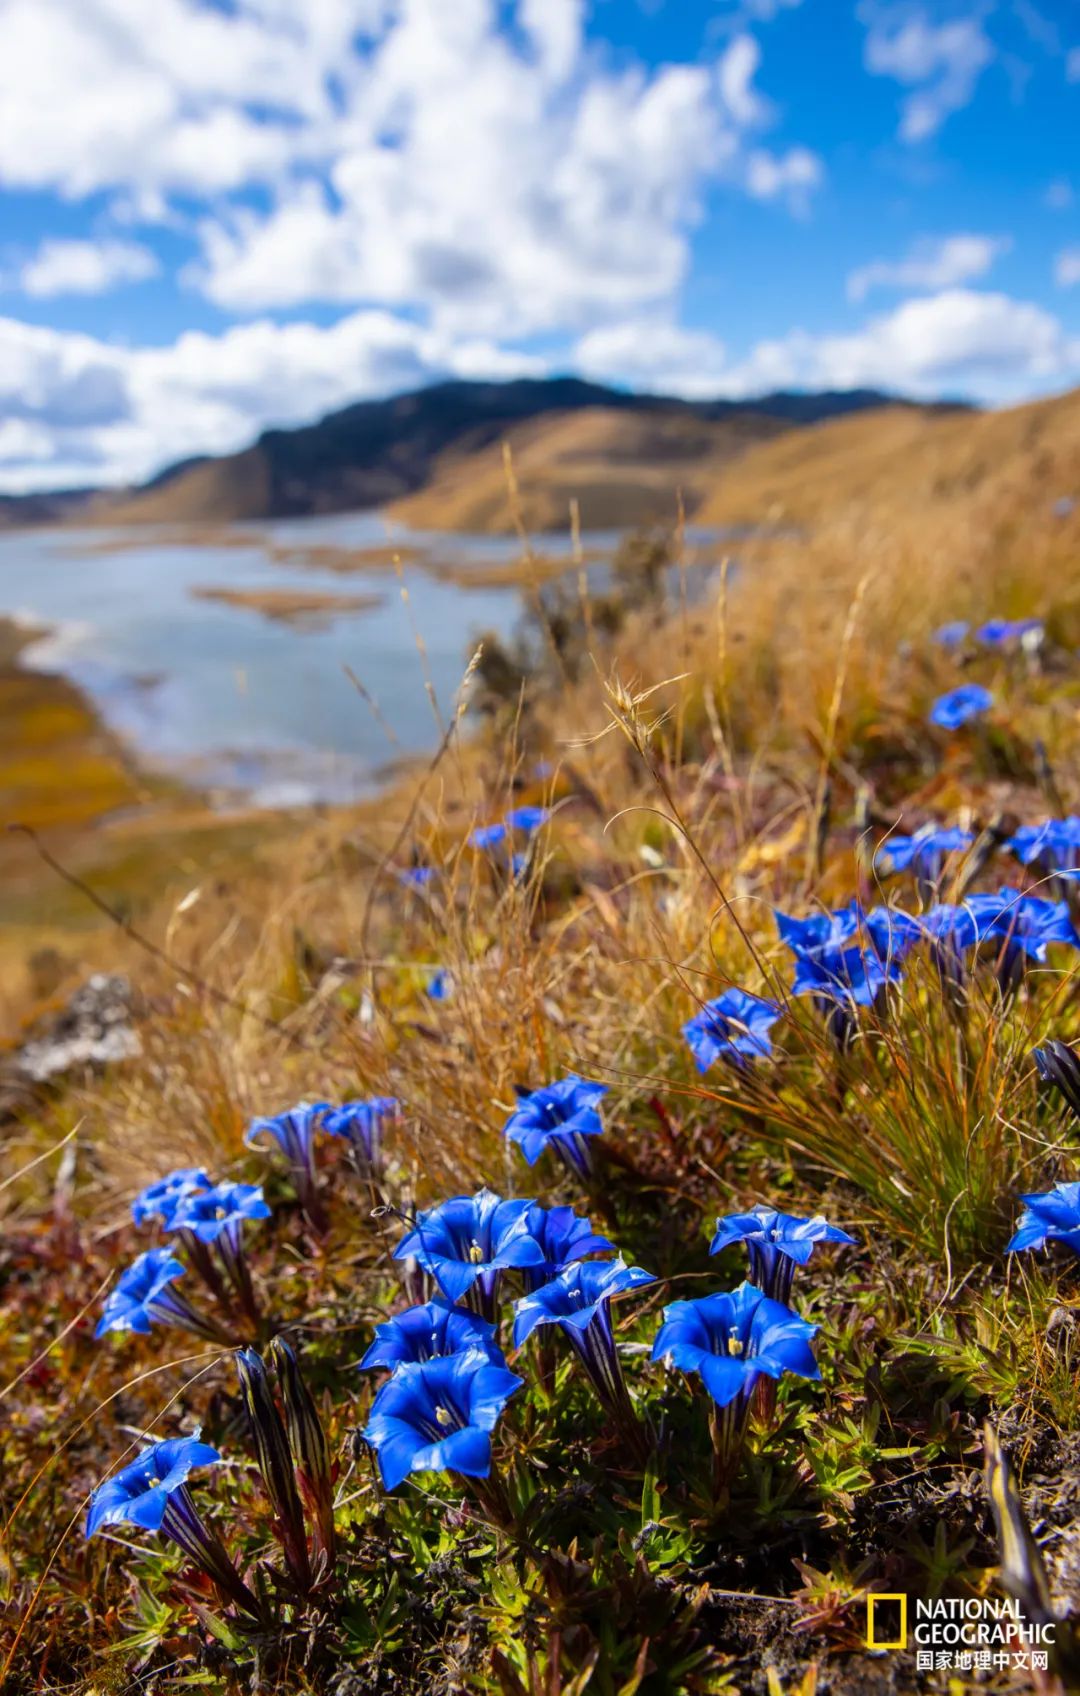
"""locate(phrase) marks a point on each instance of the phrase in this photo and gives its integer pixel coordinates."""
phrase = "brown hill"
(622, 468)
(901, 462)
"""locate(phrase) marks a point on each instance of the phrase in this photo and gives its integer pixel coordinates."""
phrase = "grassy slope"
(620, 469)
(677, 810)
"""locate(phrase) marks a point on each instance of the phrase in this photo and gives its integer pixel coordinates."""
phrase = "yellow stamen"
(476, 1253)
(443, 1417)
(733, 1345)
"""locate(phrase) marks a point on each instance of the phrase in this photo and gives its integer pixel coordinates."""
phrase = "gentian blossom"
(361, 1123)
(276, 1464)
(578, 1301)
(488, 835)
(1023, 926)
(959, 706)
(735, 1026)
(210, 1225)
(527, 819)
(152, 1493)
(467, 1243)
(428, 1331)
(1058, 1064)
(1050, 847)
(733, 1341)
(158, 1200)
(1050, 1218)
(953, 634)
(924, 853)
(440, 985)
(561, 1116)
(417, 877)
(219, 1211)
(564, 1236)
(143, 1296)
(438, 1415)
(776, 1244)
(999, 632)
(294, 1133)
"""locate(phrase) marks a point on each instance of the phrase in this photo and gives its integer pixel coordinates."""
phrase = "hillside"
(623, 469)
(380, 451)
(905, 463)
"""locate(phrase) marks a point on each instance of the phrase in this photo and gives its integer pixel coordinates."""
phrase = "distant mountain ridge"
(378, 452)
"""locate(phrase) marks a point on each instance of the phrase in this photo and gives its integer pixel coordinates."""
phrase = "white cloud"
(1067, 268)
(986, 346)
(1072, 64)
(791, 176)
(654, 354)
(939, 59)
(933, 263)
(960, 341)
(415, 154)
(1059, 195)
(736, 72)
(80, 267)
(82, 411)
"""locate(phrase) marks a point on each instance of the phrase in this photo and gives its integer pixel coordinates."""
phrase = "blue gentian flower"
(143, 1296)
(998, 632)
(1059, 1065)
(440, 985)
(220, 1211)
(470, 1241)
(1053, 846)
(564, 1236)
(820, 930)
(488, 835)
(1050, 1218)
(579, 1301)
(776, 1243)
(732, 1340)
(416, 877)
(438, 1415)
(854, 975)
(845, 958)
(953, 634)
(139, 1493)
(211, 1223)
(527, 819)
(924, 853)
(1024, 925)
(424, 1333)
(562, 1116)
(152, 1493)
(733, 1026)
(361, 1123)
(959, 706)
(158, 1200)
(294, 1133)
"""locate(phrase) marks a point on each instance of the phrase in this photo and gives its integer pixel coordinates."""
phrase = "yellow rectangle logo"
(875, 1642)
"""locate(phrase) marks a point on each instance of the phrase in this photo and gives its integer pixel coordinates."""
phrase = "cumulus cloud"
(933, 263)
(959, 341)
(791, 176)
(1067, 267)
(80, 410)
(546, 197)
(80, 267)
(939, 59)
(476, 161)
(655, 355)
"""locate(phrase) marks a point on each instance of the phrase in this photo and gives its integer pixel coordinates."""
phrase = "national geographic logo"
(962, 1634)
(886, 1620)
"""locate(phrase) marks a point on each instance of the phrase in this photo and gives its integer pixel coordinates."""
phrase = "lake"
(249, 705)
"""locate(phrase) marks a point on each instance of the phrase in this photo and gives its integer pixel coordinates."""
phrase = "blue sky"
(217, 215)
